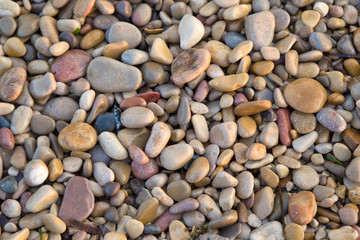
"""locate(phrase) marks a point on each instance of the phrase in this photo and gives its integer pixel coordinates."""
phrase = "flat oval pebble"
(137, 117)
(189, 64)
(305, 95)
(301, 207)
(123, 31)
(11, 83)
(176, 156)
(330, 119)
(78, 137)
(71, 65)
(108, 75)
(229, 83)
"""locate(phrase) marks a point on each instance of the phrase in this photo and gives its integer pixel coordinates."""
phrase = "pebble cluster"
(192, 119)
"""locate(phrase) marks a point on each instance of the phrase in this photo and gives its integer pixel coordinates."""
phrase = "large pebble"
(71, 65)
(330, 119)
(109, 75)
(305, 95)
(71, 209)
(301, 207)
(54, 224)
(260, 28)
(224, 134)
(61, 108)
(78, 137)
(191, 31)
(352, 170)
(12, 83)
(35, 172)
(345, 232)
(160, 135)
(270, 230)
(137, 117)
(264, 202)
(176, 156)
(123, 31)
(189, 64)
(112, 146)
(42, 199)
(305, 177)
(9, 8)
(229, 83)
(304, 142)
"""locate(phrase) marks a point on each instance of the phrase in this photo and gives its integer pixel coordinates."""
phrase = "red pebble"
(149, 96)
(166, 218)
(138, 155)
(7, 140)
(239, 98)
(132, 102)
(284, 125)
(144, 171)
(71, 65)
(202, 91)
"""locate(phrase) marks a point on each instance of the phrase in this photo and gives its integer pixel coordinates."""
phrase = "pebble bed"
(176, 120)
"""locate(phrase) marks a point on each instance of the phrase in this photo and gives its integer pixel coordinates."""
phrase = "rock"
(42, 199)
(137, 117)
(54, 224)
(77, 137)
(294, 231)
(224, 134)
(320, 41)
(11, 208)
(178, 231)
(230, 82)
(71, 209)
(12, 83)
(8, 184)
(83, 7)
(112, 146)
(61, 108)
(304, 142)
(260, 28)
(224, 180)
(123, 31)
(189, 64)
(146, 212)
(345, 232)
(197, 170)
(270, 135)
(20, 235)
(303, 122)
(305, 95)
(14, 47)
(264, 202)
(7, 140)
(102, 173)
(109, 75)
(35, 173)
(176, 156)
(160, 52)
(71, 65)
(191, 31)
(270, 230)
(208, 207)
(348, 215)
(134, 228)
(42, 87)
(9, 8)
(219, 52)
(305, 177)
(330, 119)
(144, 171)
(301, 207)
(253, 107)
(352, 170)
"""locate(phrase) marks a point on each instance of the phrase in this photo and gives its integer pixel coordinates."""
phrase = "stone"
(77, 137)
(176, 156)
(348, 215)
(294, 231)
(224, 134)
(11, 208)
(12, 83)
(178, 231)
(146, 212)
(71, 65)
(8, 184)
(123, 31)
(144, 171)
(191, 31)
(270, 230)
(320, 41)
(189, 64)
(330, 119)
(260, 28)
(263, 203)
(71, 209)
(219, 52)
(345, 232)
(54, 224)
(253, 107)
(82, 8)
(14, 47)
(35, 173)
(305, 95)
(9, 8)
(134, 228)
(304, 142)
(102, 173)
(42, 199)
(301, 207)
(137, 117)
(230, 82)
(61, 108)
(160, 52)
(42, 87)
(305, 177)
(351, 170)
(7, 140)
(112, 146)
(303, 123)
(197, 170)
(109, 75)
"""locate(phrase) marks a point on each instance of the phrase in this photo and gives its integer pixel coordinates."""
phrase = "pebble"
(304, 142)
(320, 41)
(42, 199)
(35, 172)
(305, 95)
(303, 123)
(229, 83)
(294, 231)
(330, 119)
(270, 135)
(102, 173)
(71, 65)
(272, 230)
(160, 52)
(208, 207)
(224, 134)
(8, 184)
(141, 14)
(71, 209)
(123, 31)
(197, 170)
(219, 53)
(240, 51)
(260, 28)
(351, 170)
(189, 64)
(43, 86)
(171, 158)
(134, 56)
(263, 203)
(103, 74)
(146, 212)
(246, 127)
(348, 215)
(82, 8)
(191, 31)
(143, 117)
(305, 177)
(77, 137)
(178, 190)
(134, 228)
(54, 224)
(11, 83)
(9, 8)
(253, 107)
(20, 235)
(14, 47)
(144, 171)
(112, 146)
(301, 207)
(7, 140)
(61, 108)
(11, 208)
(345, 232)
